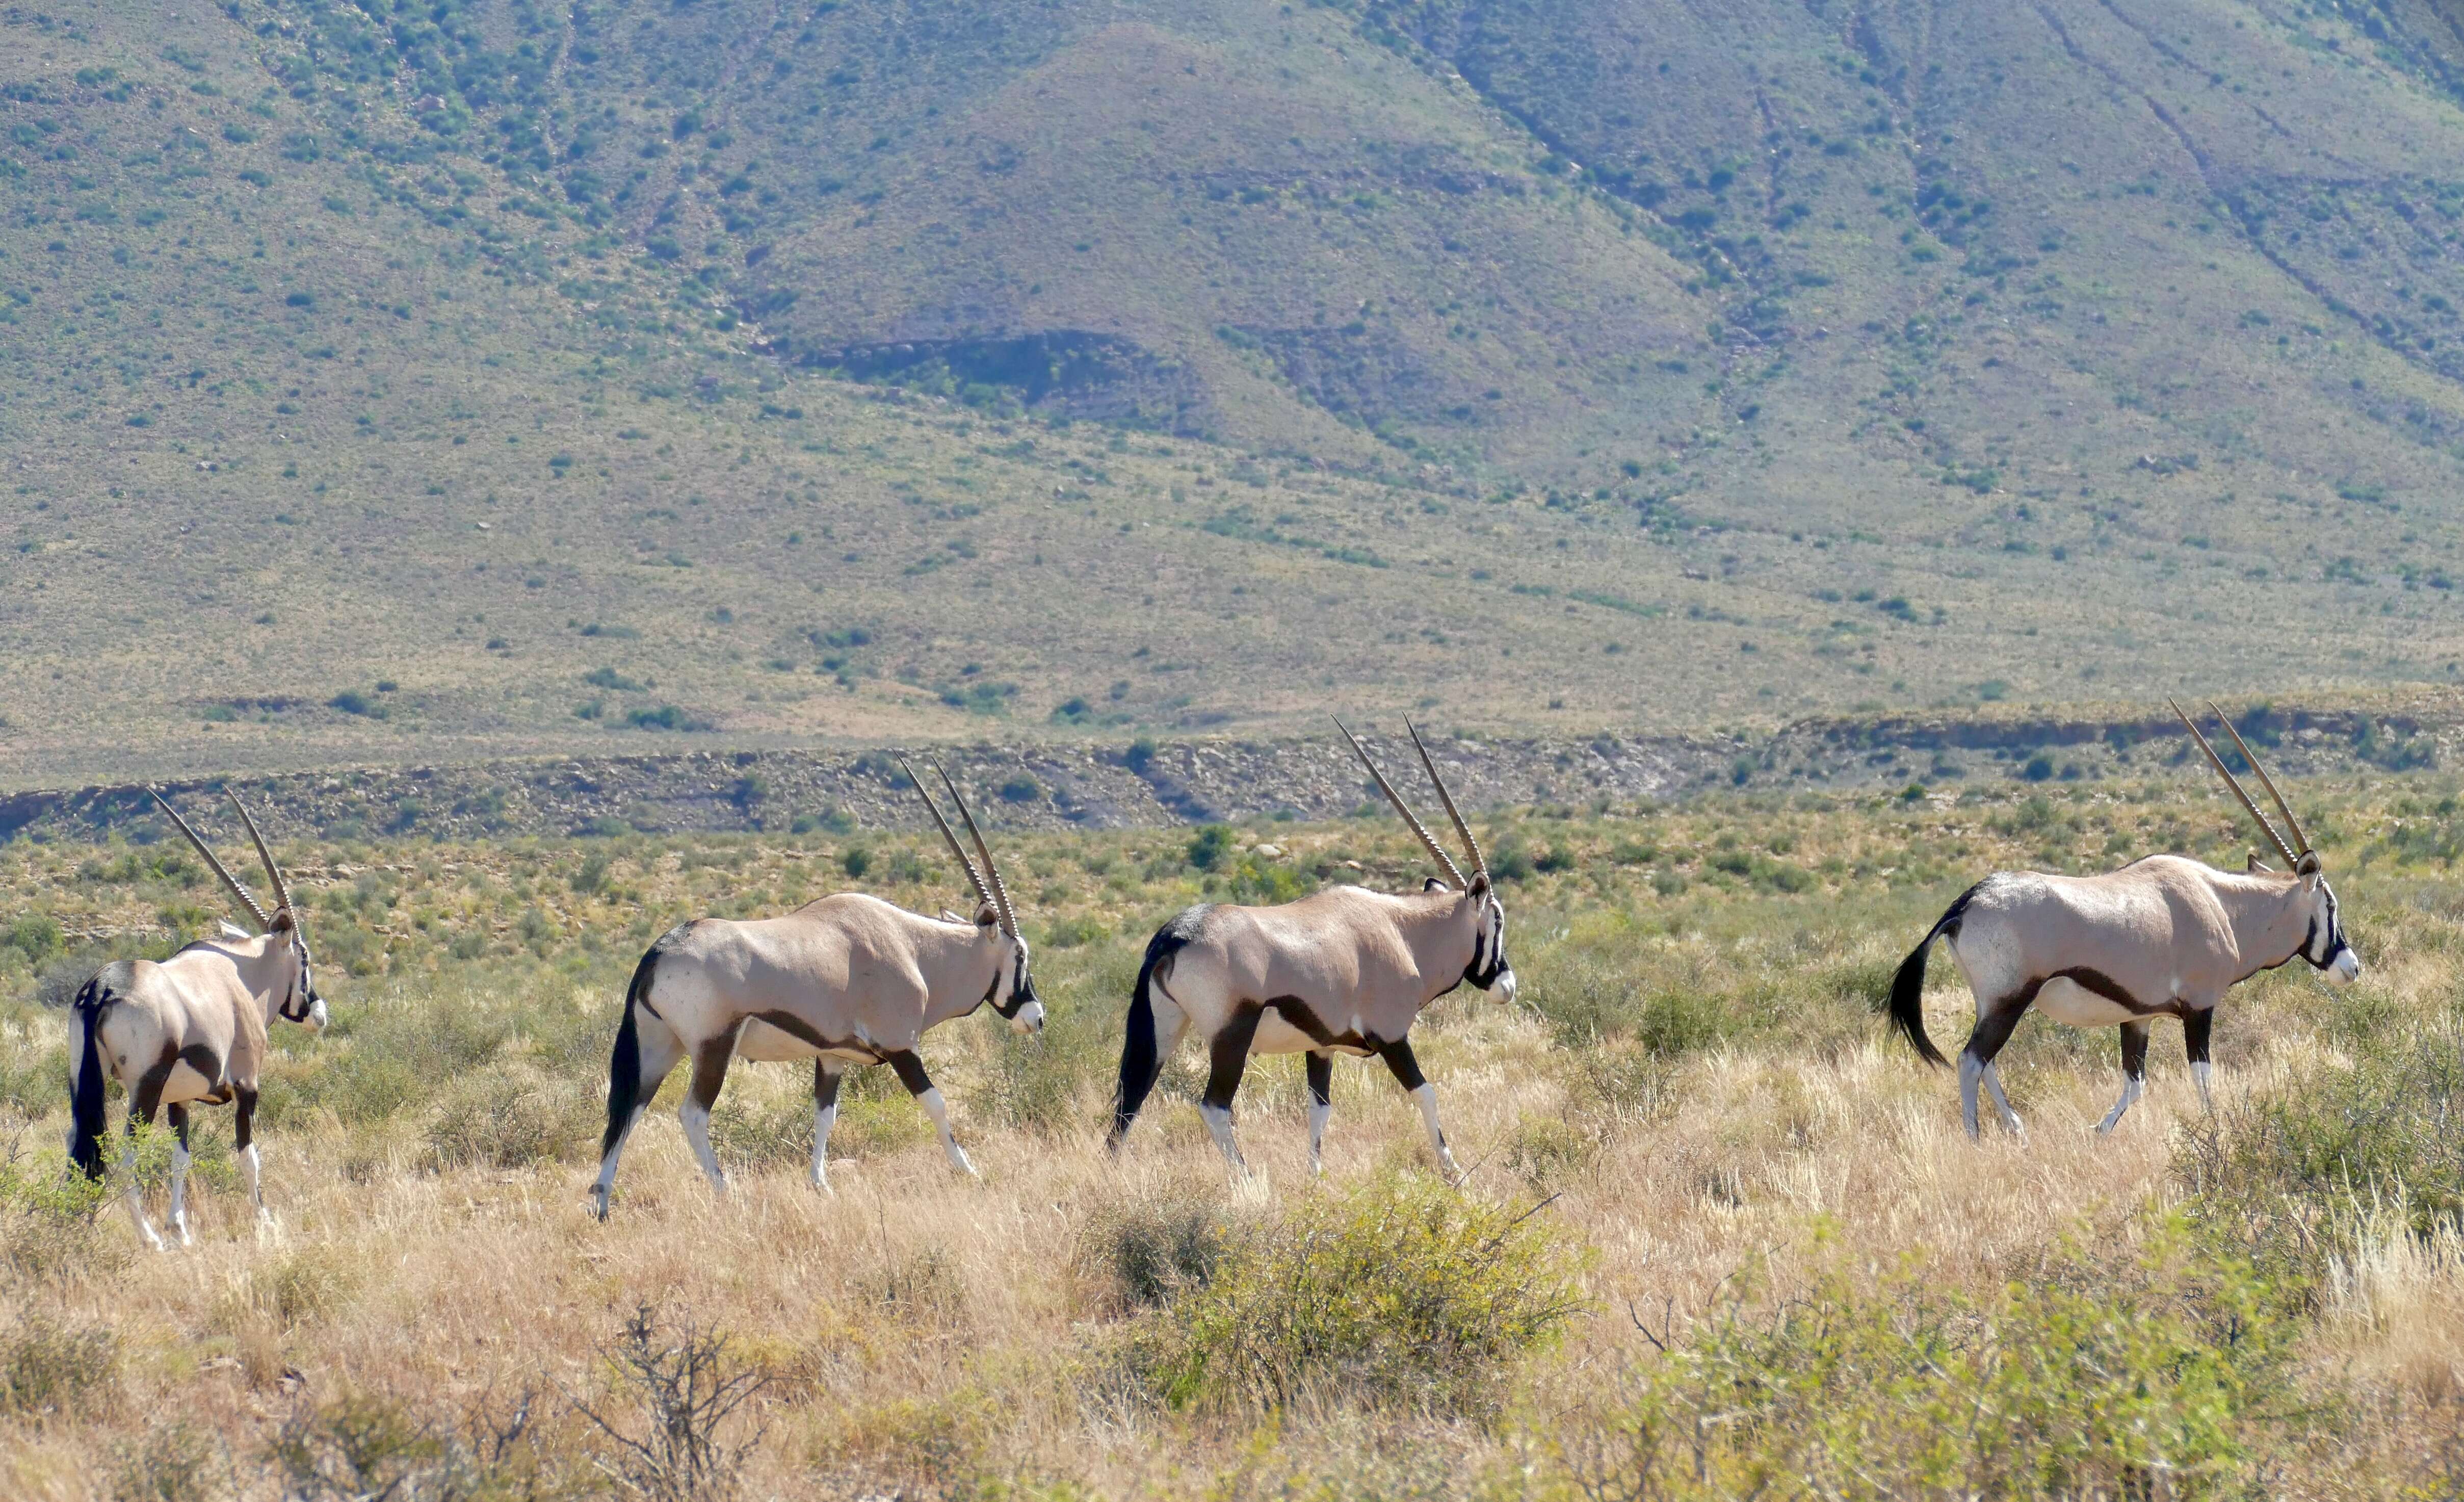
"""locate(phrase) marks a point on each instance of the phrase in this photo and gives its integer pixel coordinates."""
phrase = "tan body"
(190, 1031)
(2163, 937)
(1342, 971)
(847, 980)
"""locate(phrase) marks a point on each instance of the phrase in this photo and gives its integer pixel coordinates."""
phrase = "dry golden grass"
(925, 1334)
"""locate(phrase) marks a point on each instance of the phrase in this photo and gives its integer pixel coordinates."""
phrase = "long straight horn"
(992, 867)
(1478, 862)
(272, 872)
(975, 878)
(2281, 807)
(2238, 792)
(1405, 810)
(216, 866)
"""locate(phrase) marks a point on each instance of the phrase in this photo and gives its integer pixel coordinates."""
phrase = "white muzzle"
(1029, 1018)
(2346, 969)
(1502, 991)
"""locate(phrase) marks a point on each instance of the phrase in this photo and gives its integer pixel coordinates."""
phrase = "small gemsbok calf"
(190, 1030)
(847, 979)
(2163, 936)
(1342, 971)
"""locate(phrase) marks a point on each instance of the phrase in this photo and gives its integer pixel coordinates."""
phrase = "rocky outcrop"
(1146, 784)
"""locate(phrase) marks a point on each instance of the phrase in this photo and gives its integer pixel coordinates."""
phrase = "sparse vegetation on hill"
(607, 376)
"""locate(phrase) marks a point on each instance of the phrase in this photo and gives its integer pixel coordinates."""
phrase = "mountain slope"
(600, 376)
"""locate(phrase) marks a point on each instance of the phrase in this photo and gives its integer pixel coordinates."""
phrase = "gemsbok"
(847, 979)
(2163, 936)
(190, 1030)
(1342, 971)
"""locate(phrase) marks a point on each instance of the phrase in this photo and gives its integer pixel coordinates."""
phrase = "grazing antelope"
(190, 1030)
(1343, 971)
(2163, 936)
(847, 979)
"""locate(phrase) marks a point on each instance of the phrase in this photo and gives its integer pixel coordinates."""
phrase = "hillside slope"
(598, 376)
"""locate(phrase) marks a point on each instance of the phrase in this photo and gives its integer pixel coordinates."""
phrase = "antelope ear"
(947, 916)
(1433, 884)
(2257, 865)
(988, 916)
(2307, 864)
(1480, 884)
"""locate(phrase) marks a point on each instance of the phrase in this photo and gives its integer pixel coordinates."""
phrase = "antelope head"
(294, 998)
(1013, 988)
(1477, 895)
(2324, 946)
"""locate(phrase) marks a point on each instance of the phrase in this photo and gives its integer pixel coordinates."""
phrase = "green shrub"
(2377, 1126)
(1511, 859)
(172, 1462)
(36, 936)
(2154, 1377)
(508, 1115)
(47, 1367)
(1152, 1250)
(1208, 846)
(1401, 1291)
(47, 1223)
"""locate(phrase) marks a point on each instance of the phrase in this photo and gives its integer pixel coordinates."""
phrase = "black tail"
(1908, 987)
(1139, 1065)
(85, 1101)
(624, 1064)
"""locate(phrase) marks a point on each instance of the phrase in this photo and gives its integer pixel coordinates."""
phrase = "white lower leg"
(2002, 1103)
(696, 1117)
(1427, 1096)
(605, 1184)
(1971, 1071)
(824, 1118)
(249, 1168)
(2199, 1074)
(137, 1203)
(930, 1101)
(1218, 1125)
(1320, 1112)
(179, 1162)
(2130, 1089)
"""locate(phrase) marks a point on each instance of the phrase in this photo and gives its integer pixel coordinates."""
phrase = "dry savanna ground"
(1721, 1236)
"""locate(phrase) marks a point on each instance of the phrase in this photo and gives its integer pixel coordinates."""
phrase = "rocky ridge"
(1020, 784)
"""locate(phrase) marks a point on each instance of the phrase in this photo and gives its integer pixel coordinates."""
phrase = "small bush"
(1402, 1292)
(1511, 860)
(1209, 846)
(174, 1461)
(1151, 1250)
(508, 1115)
(2101, 1379)
(47, 1223)
(48, 1367)
(687, 1387)
(2377, 1126)
(362, 1446)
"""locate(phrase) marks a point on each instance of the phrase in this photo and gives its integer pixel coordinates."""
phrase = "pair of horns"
(2291, 857)
(987, 882)
(1478, 862)
(272, 872)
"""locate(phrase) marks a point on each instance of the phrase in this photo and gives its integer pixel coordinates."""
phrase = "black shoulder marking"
(1185, 924)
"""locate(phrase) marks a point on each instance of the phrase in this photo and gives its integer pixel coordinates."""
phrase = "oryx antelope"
(1343, 971)
(190, 1030)
(2163, 936)
(847, 979)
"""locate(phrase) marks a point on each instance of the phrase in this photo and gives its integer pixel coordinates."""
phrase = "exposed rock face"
(1052, 786)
